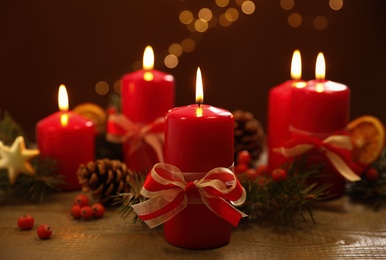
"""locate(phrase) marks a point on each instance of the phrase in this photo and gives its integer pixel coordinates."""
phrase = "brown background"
(45, 43)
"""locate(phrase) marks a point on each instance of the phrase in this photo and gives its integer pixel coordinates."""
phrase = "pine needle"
(33, 188)
(283, 200)
(372, 192)
(45, 182)
(126, 200)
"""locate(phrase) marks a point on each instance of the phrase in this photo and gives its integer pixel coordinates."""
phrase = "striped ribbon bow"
(337, 149)
(120, 130)
(168, 194)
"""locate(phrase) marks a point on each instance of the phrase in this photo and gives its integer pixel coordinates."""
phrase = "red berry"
(241, 168)
(98, 210)
(81, 200)
(279, 175)
(25, 222)
(372, 174)
(76, 211)
(243, 157)
(262, 170)
(251, 173)
(44, 231)
(86, 213)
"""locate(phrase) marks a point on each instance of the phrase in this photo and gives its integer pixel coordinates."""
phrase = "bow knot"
(120, 130)
(168, 194)
(190, 187)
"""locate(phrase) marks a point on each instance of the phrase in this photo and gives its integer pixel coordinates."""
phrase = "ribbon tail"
(114, 138)
(293, 151)
(157, 210)
(223, 209)
(134, 145)
(156, 142)
(117, 126)
(342, 167)
(242, 198)
(340, 141)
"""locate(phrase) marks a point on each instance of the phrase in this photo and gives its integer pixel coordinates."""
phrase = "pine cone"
(249, 134)
(104, 178)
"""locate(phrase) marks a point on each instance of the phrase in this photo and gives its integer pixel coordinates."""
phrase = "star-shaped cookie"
(15, 159)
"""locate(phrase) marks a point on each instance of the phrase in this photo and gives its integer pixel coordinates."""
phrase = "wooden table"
(344, 230)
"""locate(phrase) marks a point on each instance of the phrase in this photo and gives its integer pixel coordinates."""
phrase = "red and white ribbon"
(168, 192)
(120, 130)
(335, 147)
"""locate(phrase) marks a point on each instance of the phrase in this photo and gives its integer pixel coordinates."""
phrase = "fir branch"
(370, 191)
(9, 129)
(5, 187)
(283, 200)
(46, 181)
(126, 200)
(32, 188)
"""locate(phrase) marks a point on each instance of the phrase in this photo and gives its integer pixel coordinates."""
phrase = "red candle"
(198, 138)
(279, 113)
(321, 109)
(67, 138)
(147, 94)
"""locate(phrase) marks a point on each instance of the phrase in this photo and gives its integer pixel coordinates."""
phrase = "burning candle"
(321, 109)
(198, 138)
(279, 112)
(147, 95)
(67, 138)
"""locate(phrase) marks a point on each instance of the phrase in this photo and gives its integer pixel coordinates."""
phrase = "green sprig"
(33, 188)
(127, 200)
(372, 192)
(286, 199)
(9, 129)
(37, 188)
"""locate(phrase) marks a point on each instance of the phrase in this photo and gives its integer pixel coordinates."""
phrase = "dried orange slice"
(367, 134)
(94, 113)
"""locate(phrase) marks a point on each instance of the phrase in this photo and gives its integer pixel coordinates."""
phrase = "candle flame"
(296, 65)
(199, 88)
(148, 63)
(320, 68)
(63, 98)
(63, 104)
(148, 58)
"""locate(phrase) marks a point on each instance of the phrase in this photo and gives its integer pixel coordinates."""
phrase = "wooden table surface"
(344, 230)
